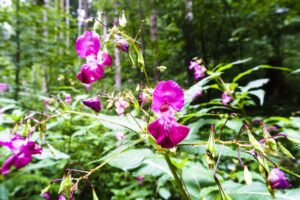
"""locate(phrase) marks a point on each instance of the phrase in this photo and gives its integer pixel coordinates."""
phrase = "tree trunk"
(45, 34)
(18, 51)
(85, 6)
(153, 31)
(67, 23)
(117, 64)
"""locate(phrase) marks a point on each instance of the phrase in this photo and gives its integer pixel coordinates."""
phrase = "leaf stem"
(179, 183)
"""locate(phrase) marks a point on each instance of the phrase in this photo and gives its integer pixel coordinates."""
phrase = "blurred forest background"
(38, 58)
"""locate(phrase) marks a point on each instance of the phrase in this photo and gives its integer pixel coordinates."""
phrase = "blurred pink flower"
(120, 136)
(22, 149)
(199, 71)
(122, 44)
(3, 87)
(226, 98)
(87, 44)
(68, 98)
(121, 105)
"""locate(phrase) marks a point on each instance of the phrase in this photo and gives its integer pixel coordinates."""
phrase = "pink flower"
(68, 98)
(93, 103)
(46, 195)
(123, 45)
(87, 86)
(167, 98)
(167, 132)
(143, 99)
(120, 136)
(3, 87)
(121, 105)
(226, 98)
(61, 197)
(199, 71)
(140, 179)
(166, 95)
(88, 43)
(22, 149)
(278, 179)
(89, 74)
(104, 59)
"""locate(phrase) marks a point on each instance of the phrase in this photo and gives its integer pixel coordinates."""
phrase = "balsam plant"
(162, 127)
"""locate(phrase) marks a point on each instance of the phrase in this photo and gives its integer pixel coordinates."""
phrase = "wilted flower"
(122, 44)
(278, 179)
(22, 149)
(88, 43)
(199, 71)
(68, 98)
(167, 98)
(143, 98)
(226, 98)
(140, 179)
(121, 105)
(3, 87)
(93, 103)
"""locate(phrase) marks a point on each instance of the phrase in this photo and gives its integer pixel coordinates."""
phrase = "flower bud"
(46, 195)
(123, 45)
(278, 179)
(122, 20)
(93, 103)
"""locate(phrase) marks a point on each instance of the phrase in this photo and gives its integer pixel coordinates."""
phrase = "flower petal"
(93, 103)
(7, 164)
(88, 43)
(90, 74)
(167, 92)
(104, 59)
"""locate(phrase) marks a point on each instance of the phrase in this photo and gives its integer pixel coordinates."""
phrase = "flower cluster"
(22, 149)
(88, 46)
(167, 98)
(199, 70)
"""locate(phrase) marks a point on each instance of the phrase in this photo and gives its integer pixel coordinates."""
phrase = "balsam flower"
(88, 46)
(93, 103)
(168, 98)
(278, 179)
(226, 98)
(22, 149)
(3, 87)
(122, 44)
(88, 43)
(199, 71)
(68, 98)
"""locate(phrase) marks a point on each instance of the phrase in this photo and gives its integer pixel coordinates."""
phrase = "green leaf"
(130, 159)
(255, 84)
(247, 175)
(95, 197)
(235, 124)
(164, 193)
(260, 94)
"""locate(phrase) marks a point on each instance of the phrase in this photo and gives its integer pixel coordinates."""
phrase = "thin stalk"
(179, 183)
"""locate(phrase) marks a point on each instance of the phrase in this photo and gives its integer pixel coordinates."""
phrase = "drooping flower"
(121, 105)
(199, 70)
(166, 95)
(88, 43)
(278, 179)
(122, 44)
(93, 103)
(61, 197)
(104, 59)
(68, 98)
(167, 98)
(140, 180)
(167, 132)
(3, 87)
(22, 149)
(226, 98)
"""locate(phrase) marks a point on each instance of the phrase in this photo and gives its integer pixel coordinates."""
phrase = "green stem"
(179, 183)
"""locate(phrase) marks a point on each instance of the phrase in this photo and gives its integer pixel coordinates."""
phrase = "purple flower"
(278, 179)
(226, 98)
(89, 74)
(3, 87)
(167, 132)
(140, 179)
(199, 71)
(46, 195)
(104, 59)
(22, 149)
(167, 95)
(167, 98)
(61, 197)
(93, 103)
(123, 45)
(88, 43)
(68, 98)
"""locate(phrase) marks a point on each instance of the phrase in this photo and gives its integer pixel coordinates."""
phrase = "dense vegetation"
(237, 63)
